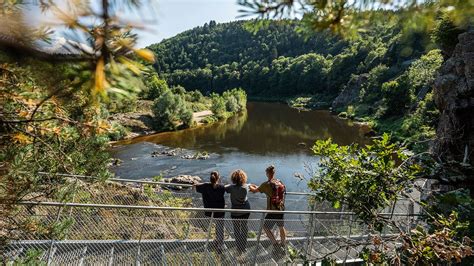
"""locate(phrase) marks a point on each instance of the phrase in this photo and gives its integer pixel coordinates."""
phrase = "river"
(268, 133)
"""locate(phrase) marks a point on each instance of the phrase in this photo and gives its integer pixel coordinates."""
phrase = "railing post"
(310, 230)
(163, 256)
(206, 246)
(137, 259)
(348, 237)
(111, 257)
(51, 247)
(83, 254)
(74, 193)
(260, 229)
(411, 212)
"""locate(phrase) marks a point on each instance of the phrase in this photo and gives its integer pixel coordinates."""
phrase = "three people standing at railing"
(213, 197)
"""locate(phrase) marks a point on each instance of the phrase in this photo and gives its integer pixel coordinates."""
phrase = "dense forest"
(278, 59)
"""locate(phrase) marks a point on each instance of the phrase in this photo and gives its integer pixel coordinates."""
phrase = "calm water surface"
(268, 133)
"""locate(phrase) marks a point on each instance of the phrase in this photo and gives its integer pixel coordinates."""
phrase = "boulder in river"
(196, 156)
(184, 179)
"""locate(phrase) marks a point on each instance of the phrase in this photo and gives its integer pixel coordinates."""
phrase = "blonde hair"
(239, 177)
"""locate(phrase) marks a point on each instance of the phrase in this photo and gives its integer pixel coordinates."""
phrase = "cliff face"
(350, 94)
(454, 97)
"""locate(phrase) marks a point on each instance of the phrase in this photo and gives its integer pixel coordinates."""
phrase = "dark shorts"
(274, 218)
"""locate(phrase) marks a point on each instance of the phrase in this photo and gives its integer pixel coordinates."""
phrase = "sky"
(175, 16)
(163, 19)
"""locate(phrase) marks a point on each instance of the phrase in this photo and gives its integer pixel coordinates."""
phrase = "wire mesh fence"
(117, 222)
(94, 234)
(147, 192)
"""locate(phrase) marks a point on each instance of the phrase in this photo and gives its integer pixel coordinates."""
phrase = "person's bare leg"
(270, 235)
(282, 235)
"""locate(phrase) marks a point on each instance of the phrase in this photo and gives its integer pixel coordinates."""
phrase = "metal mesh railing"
(95, 234)
(118, 222)
(146, 192)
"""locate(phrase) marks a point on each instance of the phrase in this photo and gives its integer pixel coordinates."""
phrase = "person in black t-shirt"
(213, 197)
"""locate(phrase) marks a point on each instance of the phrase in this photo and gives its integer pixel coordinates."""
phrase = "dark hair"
(238, 177)
(270, 169)
(214, 178)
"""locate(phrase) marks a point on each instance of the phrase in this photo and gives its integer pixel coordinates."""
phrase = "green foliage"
(171, 111)
(297, 256)
(205, 58)
(349, 19)
(126, 105)
(396, 96)
(445, 242)
(460, 202)
(194, 96)
(423, 71)
(231, 102)
(218, 106)
(445, 33)
(266, 64)
(117, 131)
(371, 89)
(154, 87)
(366, 179)
(158, 178)
(420, 125)
(209, 119)
(179, 90)
(350, 112)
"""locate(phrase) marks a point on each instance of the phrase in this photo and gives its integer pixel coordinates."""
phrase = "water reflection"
(265, 128)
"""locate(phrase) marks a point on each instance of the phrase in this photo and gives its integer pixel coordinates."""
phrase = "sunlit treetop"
(93, 33)
(350, 17)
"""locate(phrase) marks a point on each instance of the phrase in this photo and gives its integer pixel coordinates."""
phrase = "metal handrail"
(141, 207)
(141, 181)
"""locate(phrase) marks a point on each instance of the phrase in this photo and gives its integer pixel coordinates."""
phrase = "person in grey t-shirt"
(238, 197)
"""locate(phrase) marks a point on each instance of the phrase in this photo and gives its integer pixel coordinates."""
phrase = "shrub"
(195, 96)
(445, 33)
(370, 90)
(396, 96)
(350, 112)
(231, 104)
(154, 87)
(117, 132)
(170, 110)
(218, 106)
(123, 105)
(179, 90)
(209, 120)
(365, 180)
(423, 71)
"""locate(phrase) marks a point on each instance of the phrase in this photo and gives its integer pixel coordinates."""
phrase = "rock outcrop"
(350, 94)
(454, 97)
(184, 179)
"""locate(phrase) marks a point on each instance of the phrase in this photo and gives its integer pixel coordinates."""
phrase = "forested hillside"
(277, 59)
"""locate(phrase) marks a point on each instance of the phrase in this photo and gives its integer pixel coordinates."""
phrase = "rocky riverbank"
(141, 122)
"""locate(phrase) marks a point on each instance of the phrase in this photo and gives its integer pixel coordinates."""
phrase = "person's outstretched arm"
(253, 188)
(197, 187)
